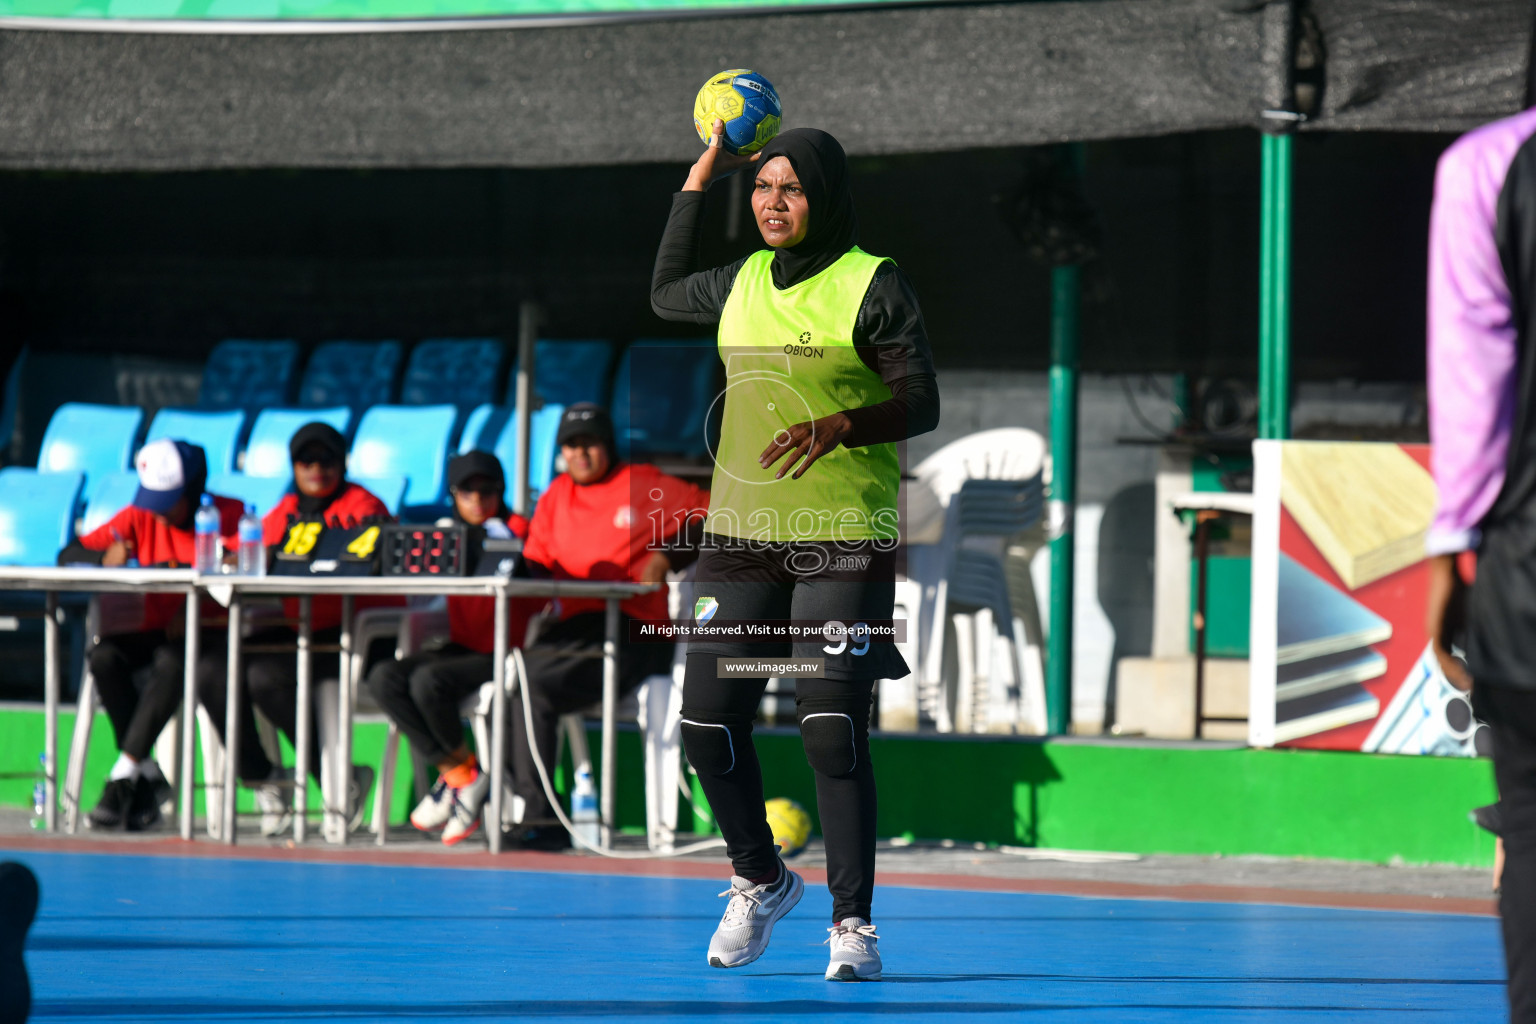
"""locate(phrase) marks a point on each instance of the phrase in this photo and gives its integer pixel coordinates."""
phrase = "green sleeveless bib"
(789, 358)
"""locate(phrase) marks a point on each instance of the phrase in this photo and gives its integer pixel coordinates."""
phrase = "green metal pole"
(1275, 289)
(1064, 348)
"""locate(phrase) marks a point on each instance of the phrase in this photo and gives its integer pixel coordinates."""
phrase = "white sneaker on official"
(464, 809)
(432, 812)
(743, 933)
(855, 956)
(275, 801)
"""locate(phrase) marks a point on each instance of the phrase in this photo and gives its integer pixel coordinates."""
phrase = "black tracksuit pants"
(138, 717)
(1511, 715)
(845, 780)
(421, 694)
(271, 684)
(565, 674)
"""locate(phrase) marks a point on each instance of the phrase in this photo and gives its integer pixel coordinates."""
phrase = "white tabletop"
(95, 579)
(487, 586)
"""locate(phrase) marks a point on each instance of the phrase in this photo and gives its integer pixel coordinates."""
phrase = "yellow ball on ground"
(790, 825)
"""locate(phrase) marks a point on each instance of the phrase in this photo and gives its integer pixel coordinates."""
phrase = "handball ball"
(790, 825)
(746, 102)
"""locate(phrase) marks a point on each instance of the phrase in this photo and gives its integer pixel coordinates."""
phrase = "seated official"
(602, 519)
(422, 693)
(157, 530)
(321, 493)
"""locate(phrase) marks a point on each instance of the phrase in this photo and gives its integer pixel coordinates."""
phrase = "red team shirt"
(607, 531)
(156, 542)
(354, 504)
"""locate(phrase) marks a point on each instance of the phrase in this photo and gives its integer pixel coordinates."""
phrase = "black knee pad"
(712, 748)
(830, 744)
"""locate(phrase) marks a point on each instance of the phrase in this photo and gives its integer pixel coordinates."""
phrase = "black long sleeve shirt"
(888, 336)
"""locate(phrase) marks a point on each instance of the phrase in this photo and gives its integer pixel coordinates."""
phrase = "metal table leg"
(610, 709)
(51, 711)
(344, 717)
(498, 721)
(189, 711)
(232, 720)
(303, 727)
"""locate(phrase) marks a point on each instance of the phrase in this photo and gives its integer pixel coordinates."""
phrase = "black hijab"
(822, 167)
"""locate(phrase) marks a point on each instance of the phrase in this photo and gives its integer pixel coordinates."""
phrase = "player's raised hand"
(715, 162)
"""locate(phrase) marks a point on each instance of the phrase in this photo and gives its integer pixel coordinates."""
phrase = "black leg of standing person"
(717, 737)
(18, 907)
(834, 725)
(1511, 714)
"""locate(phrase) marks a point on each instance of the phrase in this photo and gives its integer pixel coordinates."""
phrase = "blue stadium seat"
(388, 489)
(108, 496)
(262, 491)
(567, 372)
(37, 514)
(459, 371)
(405, 440)
(352, 373)
(216, 432)
(90, 439)
(662, 396)
(249, 374)
(266, 454)
(493, 428)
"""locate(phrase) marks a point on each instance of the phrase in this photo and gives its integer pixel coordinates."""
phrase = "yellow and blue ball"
(747, 103)
(790, 825)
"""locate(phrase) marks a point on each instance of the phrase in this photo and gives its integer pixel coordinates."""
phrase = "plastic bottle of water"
(40, 797)
(206, 522)
(253, 553)
(584, 806)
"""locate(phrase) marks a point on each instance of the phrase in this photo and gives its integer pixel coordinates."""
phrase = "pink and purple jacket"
(1474, 330)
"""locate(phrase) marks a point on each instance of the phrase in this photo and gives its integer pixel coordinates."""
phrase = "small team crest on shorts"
(704, 609)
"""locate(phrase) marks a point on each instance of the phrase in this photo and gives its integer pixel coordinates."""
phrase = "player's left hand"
(805, 443)
(1445, 617)
(655, 568)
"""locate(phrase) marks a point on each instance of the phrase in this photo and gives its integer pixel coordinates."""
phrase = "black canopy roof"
(884, 80)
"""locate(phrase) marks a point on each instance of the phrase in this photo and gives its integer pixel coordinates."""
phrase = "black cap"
(586, 419)
(472, 464)
(323, 434)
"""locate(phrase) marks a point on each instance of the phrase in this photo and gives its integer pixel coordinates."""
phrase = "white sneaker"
(434, 809)
(465, 804)
(750, 915)
(854, 953)
(275, 802)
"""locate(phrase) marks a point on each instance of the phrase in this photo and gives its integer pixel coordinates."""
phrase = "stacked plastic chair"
(662, 397)
(989, 485)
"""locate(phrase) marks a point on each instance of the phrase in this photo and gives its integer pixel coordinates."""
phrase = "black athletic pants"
(565, 674)
(1511, 715)
(834, 715)
(271, 684)
(421, 694)
(138, 717)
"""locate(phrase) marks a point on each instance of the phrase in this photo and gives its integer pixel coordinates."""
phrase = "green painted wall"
(1063, 794)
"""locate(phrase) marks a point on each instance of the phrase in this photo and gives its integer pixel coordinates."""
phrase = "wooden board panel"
(1367, 507)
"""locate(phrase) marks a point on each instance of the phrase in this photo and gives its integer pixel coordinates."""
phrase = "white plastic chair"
(989, 486)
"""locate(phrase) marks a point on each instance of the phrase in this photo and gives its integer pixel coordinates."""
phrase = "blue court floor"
(131, 938)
